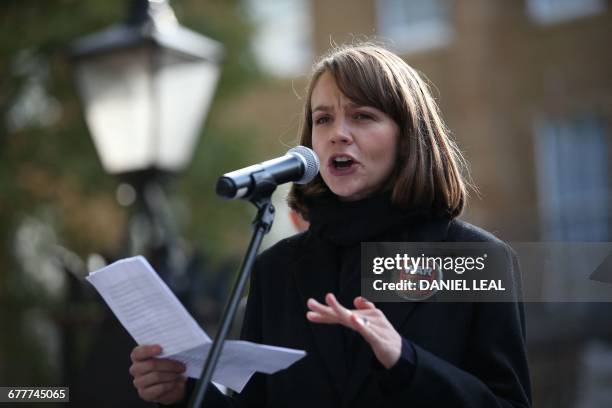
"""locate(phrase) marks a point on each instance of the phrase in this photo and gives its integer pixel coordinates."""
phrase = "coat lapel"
(398, 313)
(315, 277)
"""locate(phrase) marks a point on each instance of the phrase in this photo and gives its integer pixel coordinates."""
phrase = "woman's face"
(357, 145)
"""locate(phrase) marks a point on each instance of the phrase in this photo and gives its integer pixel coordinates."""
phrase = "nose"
(341, 133)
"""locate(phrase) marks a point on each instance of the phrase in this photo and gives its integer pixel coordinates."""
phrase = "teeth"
(342, 159)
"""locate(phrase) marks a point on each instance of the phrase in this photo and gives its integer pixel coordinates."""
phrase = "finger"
(145, 352)
(155, 377)
(362, 303)
(174, 395)
(318, 307)
(321, 318)
(340, 310)
(371, 315)
(156, 364)
(153, 393)
(363, 327)
(325, 319)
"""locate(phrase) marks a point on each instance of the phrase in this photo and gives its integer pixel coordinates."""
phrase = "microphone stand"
(264, 186)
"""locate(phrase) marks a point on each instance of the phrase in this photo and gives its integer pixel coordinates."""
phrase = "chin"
(347, 195)
(345, 191)
(340, 191)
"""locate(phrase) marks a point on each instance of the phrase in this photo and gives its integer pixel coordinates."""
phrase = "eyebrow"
(324, 108)
(327, 108)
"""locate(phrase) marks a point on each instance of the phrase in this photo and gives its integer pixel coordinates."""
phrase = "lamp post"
(146, 85)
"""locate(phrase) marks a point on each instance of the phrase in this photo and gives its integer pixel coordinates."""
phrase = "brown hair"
(428, 170)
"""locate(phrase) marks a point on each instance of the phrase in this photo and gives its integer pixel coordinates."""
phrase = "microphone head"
(310, 160)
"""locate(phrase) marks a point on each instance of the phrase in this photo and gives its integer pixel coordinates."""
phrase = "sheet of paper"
(146, 307)
(151, 313)
(239, 360)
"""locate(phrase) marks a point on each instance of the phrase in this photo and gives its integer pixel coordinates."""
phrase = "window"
(282, 41)
(556, 11)
(414, 25)
(573, 179)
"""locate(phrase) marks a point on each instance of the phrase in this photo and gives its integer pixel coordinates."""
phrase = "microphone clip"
(264, 185)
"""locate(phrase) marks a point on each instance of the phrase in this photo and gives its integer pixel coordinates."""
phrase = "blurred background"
(525, 86)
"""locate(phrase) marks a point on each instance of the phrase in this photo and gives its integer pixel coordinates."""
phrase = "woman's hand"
(157, 380)
(369, 321)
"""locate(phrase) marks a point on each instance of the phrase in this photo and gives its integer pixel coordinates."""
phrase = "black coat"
(466, 354)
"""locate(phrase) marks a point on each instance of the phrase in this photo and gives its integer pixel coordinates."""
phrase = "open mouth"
(341, 162)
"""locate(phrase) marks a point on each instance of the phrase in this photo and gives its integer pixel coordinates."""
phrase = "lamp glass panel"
(184, 88)
(117, 94)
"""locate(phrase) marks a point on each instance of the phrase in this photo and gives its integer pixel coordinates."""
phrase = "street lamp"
(146, 85)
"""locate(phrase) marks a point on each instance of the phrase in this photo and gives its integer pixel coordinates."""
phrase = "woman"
(389, 172)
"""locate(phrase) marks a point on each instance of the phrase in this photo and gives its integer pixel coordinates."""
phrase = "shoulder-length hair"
(429, 166)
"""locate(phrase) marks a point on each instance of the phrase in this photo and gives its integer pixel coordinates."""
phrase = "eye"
(321, 120)
(364, 116)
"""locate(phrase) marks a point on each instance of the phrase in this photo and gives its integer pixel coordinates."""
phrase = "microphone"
(299, 165)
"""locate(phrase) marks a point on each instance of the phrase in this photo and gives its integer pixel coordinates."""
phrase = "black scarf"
(348, 223)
